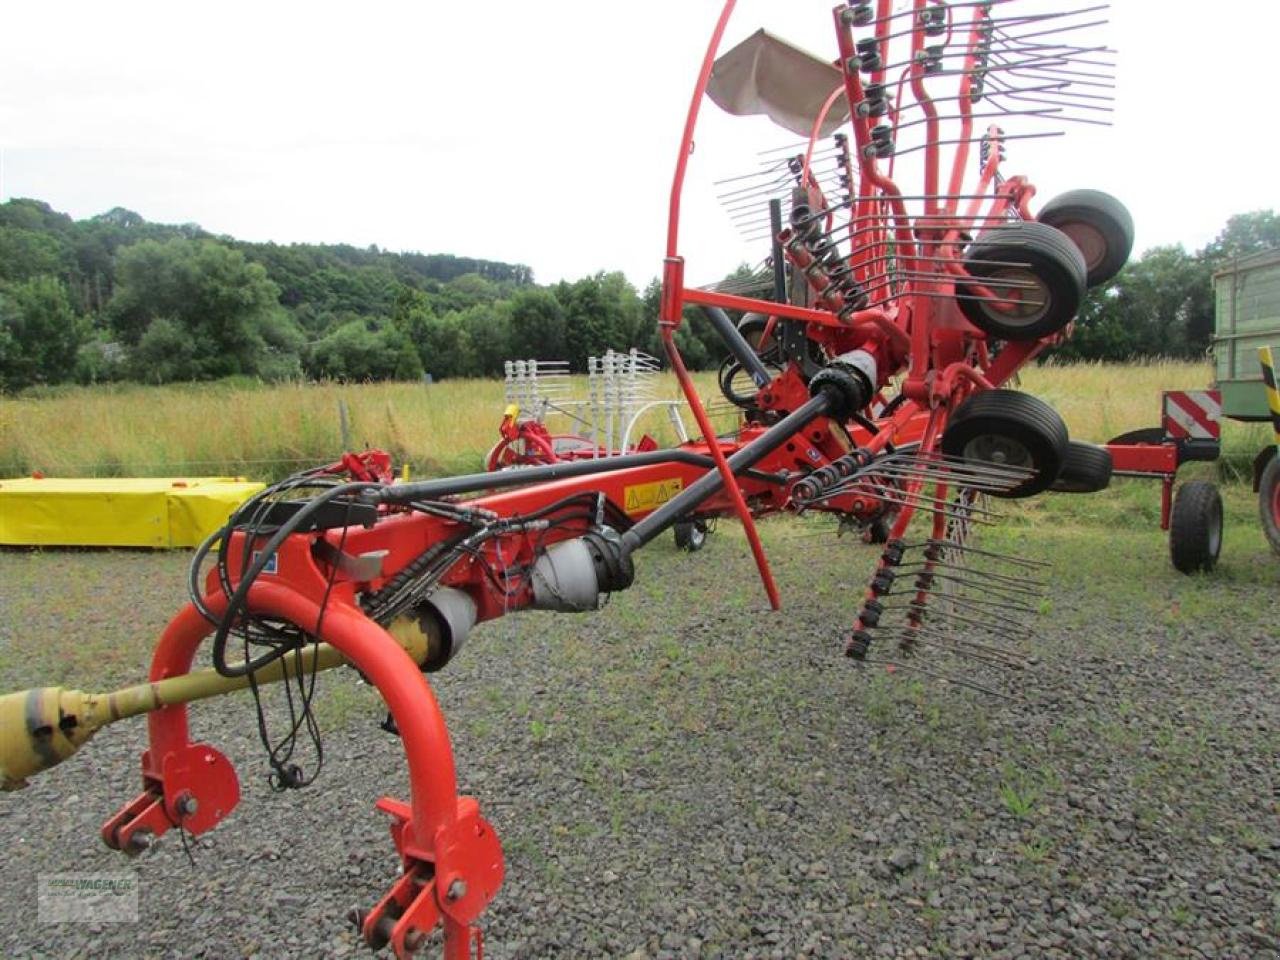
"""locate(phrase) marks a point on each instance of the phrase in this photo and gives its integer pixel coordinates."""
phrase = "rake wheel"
(691, 535)
(1195, 527)
(1008, 428)
(1037, 272)
(1085, 469)
(1100, 227)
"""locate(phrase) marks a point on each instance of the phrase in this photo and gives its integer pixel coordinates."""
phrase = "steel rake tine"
(964, 463)
(976, 478)
(1006, 584)
(956, 469)
(1010, 605)
(980, 606)
(966, 600)
(929, 631)
(982, 625)
(907, 476)
(889, 494)
(1009, 558)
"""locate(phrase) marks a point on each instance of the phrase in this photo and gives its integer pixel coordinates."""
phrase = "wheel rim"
(1088, 240)
(697, 537)
(1024, 298)
(1215, 530)
(999, 449)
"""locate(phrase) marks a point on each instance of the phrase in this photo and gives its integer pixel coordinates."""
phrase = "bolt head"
(457, 890)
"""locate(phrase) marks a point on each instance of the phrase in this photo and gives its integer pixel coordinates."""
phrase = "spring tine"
(959, 465)
(981, 605)
(1017, 38)
(926, 479)
(902, 151)
(983, 625)
(1023, 586)
(1009, 558)
(901, 498)
(968, 603)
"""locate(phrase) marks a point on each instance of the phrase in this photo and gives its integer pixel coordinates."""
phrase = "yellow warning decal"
(650, 496)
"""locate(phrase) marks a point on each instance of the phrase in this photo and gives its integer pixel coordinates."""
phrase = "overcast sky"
(540, 133)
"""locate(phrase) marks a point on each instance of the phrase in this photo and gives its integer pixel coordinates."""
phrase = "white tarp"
(766, 75)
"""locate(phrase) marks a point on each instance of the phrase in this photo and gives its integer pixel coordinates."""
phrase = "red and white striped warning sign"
(1192, 414)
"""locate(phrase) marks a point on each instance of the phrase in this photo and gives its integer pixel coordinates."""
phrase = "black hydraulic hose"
(711, 483)
(470, 483)
(236, 602)
(738, 346)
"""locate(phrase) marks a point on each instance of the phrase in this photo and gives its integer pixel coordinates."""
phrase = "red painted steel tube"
(930, 113)
(690, 123)
(371, 651)
(861, 136)
(805, 176)
(722, 464)
(961, 158)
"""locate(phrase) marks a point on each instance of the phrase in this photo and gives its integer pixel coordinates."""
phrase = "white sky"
(540, 133)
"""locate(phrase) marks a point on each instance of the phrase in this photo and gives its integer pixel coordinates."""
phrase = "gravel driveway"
(685, 774)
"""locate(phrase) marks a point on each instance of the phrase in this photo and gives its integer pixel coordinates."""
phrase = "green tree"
(226, 306)
(537, 326)
(1244, 234)
(365, 349)
(40, 334)
(1155, 306)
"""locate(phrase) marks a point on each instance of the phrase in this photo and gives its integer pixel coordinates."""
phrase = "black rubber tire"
(1053, 263)
(691, 535)
(1085, 469)
(877, 531)
(1269, 502)
(1008, 415)
(1100, 227)
(1135, 437)
(1195, 527)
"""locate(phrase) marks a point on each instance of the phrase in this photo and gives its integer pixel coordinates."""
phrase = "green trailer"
(1246, 320)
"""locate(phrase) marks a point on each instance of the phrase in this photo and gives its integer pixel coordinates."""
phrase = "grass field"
(265, 432)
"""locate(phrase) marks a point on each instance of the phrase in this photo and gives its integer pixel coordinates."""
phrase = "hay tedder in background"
(907, 278)
(622, 388)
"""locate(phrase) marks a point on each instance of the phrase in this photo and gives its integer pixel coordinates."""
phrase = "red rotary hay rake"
(875, 351)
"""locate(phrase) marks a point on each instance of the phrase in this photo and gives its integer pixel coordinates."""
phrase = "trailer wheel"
(1195, 529)
(1037, 271)
(1085, 469)
(1100, 227)
(1009, 428)
(691, 535)
(1269, 502)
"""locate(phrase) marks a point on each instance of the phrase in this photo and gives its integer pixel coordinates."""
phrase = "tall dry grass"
(269, 431)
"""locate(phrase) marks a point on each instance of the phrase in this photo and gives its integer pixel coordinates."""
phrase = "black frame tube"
(471, 482)
(706, 486)
(738, 346)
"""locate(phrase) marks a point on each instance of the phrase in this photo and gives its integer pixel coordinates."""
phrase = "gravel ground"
(687, 775)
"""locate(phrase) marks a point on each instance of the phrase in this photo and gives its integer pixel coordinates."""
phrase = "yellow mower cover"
(159, 512)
